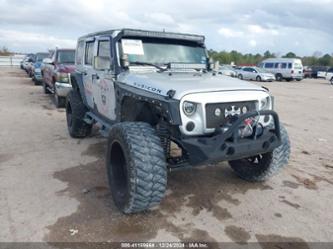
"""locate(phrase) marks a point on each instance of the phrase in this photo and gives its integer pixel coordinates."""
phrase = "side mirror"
(102, 63)
(124, 61)
(47, 61)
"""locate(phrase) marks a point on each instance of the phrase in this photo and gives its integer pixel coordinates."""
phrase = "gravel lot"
(51, 184)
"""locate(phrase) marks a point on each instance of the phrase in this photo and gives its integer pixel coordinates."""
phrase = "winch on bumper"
(229, 145)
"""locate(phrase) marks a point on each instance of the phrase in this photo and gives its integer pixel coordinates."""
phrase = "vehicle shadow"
(97, 218)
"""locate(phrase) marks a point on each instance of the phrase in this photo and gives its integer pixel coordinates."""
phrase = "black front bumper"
(226, 146)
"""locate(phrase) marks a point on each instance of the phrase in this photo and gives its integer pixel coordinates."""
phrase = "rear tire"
(136, 166)
(240, 77)
(262, 167)
(331, 81)
(75, 112)
(278, 77)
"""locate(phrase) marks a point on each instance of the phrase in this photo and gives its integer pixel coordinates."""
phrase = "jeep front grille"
(219, 114)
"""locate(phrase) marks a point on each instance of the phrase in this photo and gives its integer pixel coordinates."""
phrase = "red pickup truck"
(56, 74)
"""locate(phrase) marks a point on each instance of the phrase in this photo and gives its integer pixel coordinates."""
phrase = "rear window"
(66, 56)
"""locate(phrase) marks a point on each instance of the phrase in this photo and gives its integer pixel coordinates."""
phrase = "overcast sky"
(302, 26)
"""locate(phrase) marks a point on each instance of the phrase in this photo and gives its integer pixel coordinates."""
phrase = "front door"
(103, 83)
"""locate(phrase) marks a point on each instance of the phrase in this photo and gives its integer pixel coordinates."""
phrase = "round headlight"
(265, 103)
(189, 108)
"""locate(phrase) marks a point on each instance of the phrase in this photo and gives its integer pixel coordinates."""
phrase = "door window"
(79, 53)
(89, 55)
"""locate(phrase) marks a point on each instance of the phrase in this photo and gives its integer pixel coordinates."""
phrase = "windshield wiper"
(161, 69)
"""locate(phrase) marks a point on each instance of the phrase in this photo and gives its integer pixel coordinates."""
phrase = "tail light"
(292, 71)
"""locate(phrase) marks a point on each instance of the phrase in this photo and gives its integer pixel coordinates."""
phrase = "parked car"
(255, 73)
(36, 69)
(307, 72)
(284, 68)
(316, 69)
(27, 64)
(227, 70)
(126, 81)
(321, 73)
(56, 74)
(24, 61)
(329, 75)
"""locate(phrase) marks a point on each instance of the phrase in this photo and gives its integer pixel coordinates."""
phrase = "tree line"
(238, 58)
(5, 52)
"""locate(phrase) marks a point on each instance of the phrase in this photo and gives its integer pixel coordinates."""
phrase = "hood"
(184, 83)
(65, 68)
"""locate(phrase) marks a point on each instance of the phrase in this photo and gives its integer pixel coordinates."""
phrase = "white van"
(284, 68)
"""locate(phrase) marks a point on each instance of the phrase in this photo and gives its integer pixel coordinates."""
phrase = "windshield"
(298, 66)
(260, 70)
(161, 52)
(66, 56)
(40, 57)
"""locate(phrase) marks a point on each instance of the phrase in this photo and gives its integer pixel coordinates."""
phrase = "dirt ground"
(54, 188)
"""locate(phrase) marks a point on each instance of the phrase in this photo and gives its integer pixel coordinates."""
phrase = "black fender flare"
(168, 107)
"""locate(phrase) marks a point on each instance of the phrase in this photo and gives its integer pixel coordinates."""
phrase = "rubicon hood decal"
(184, 83)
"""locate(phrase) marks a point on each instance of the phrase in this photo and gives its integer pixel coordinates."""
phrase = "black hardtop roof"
(147, 33)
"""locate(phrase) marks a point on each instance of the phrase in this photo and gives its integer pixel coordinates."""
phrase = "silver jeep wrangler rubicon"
(158, 100)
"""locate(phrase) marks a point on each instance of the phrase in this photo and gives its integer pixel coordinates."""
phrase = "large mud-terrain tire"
(75, 112)
(261, 167)
(136, 166)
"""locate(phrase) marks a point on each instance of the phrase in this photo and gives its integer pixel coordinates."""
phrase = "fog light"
(190, 126)
(244, 109)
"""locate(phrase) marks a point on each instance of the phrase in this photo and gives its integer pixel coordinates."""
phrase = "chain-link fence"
(11, 61)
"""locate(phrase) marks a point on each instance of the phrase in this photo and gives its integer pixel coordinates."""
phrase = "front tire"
(75, 112)
(258, 78)
(59, 101)
(262, 167)
(136, 167)
(240, 77)
(331, 81)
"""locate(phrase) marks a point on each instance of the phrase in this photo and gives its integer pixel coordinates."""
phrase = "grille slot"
(229, 112)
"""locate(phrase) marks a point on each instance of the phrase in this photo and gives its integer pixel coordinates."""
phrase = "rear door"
(297, 69)
(88, 72)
